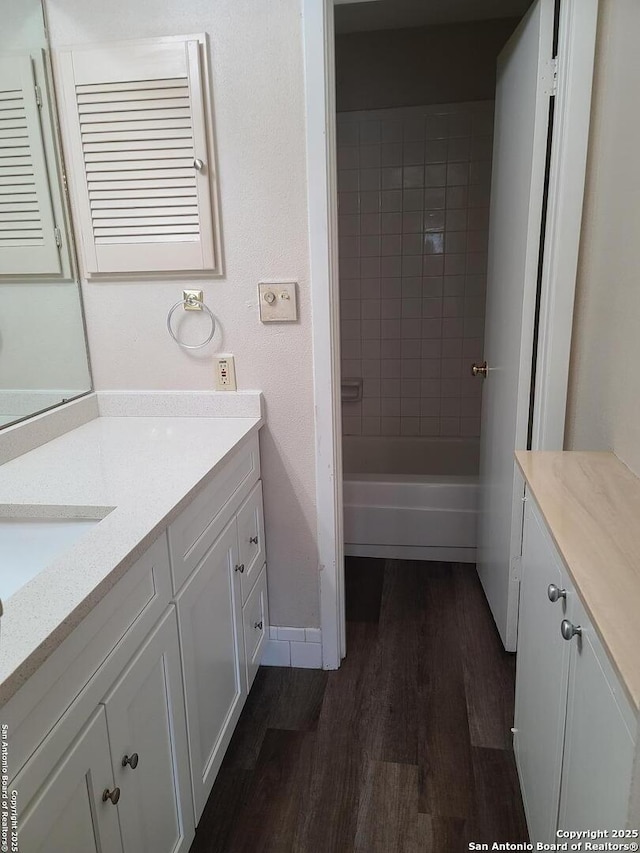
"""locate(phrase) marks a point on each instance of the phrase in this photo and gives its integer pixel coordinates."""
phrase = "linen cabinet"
(575, 731)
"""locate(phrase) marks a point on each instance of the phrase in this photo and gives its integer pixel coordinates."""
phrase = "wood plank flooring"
(407, 747)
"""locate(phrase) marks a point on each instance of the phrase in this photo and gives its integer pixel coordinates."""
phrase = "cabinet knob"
(198, 164)
(554, 592)
(131, 760)
(569, 630)
(114, 795)
(253, 540)
(240, 568)
(258, 625)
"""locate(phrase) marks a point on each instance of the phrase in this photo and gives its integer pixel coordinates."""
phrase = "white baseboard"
(412, 552)
(296, 647)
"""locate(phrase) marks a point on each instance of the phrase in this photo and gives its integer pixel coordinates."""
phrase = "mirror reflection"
(43, 353)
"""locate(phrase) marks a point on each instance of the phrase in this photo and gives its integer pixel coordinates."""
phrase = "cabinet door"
(68, 813)
(148, 736)
(599, 747)
(255, 618)
(251, 540)
(210, 623)
(541, 680)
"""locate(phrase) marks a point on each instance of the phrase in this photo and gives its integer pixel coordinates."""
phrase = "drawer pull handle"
(240, 568)
(131, 760)
(555, 593)
(569, 630)
(258, 625)
(114, 795)
(253, 540)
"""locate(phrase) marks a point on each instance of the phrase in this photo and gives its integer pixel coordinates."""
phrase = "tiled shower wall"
(413, 187)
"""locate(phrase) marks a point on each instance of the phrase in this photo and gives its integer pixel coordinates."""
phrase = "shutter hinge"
(550, 77)
(58, 235)
(38, 96)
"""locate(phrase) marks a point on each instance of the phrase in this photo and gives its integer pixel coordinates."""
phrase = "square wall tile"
(370, 426)
(390, 407)
(370, 180)
(414, 194)
(390, 426)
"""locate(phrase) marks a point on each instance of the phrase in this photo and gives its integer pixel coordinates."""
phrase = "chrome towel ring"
(191, 303)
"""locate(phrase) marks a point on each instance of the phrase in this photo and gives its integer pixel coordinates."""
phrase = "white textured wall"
(257, 69)
(604, 391)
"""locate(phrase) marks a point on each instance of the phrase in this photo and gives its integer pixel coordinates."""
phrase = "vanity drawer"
(71, 682)
(251, 550)
(192, 533)
(255, 621)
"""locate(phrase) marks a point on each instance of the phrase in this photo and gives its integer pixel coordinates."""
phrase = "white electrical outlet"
(225, 373)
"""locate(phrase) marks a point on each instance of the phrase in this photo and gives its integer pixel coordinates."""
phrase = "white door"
(148, 735)
(517, 194)
(69, 813)
(541, 679)
(210, 622)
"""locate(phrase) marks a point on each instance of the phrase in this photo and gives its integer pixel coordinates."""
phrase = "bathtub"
(411, 498)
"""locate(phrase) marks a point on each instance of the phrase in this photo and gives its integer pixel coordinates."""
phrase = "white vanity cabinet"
(575, 730)
(117, 738)
(147, 733)
(600, 738)
(69, 813)
(210, 618)
(541, 680)
(221, 639)
(123, 785)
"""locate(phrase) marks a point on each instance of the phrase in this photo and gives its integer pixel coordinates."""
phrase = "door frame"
(572, 116)
(319, 68)
(576, 54)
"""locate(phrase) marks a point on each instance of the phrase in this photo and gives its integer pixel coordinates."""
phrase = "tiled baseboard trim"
(296, 647)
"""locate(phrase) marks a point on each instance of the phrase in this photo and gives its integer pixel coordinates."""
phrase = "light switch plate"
(278, 301)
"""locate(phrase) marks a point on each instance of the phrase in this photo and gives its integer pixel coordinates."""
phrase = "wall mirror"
(43, 350)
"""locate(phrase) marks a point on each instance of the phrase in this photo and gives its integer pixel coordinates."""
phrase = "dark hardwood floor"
(406, 748)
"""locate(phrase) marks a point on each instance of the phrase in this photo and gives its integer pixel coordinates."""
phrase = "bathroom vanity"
(125, 663)
(578, 663)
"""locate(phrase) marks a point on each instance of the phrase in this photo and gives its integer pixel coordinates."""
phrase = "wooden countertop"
(591, 503)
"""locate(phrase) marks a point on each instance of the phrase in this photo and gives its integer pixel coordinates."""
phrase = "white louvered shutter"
(137, 129)
(27, 228)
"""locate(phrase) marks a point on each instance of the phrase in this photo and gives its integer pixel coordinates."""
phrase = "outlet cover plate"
(225, 374)
(278, 301)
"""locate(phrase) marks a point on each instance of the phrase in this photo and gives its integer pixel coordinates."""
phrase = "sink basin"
(29, 545)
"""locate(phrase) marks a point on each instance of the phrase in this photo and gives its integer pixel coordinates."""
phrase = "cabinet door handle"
(555, 593)
(114, 795)
(131, 760)
(569, 630)
(240, 568)
(253, 540)
(258, 625)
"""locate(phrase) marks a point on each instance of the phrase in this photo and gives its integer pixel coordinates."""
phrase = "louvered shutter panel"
(27, 227)
(137, 128)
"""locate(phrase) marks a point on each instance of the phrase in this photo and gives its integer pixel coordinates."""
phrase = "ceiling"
(395, 14)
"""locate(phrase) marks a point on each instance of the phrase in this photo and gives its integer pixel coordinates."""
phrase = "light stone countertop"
(591, 504)
(137, 474)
